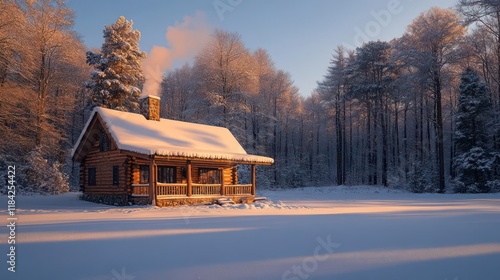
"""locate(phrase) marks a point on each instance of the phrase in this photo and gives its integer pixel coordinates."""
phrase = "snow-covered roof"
(133, 132)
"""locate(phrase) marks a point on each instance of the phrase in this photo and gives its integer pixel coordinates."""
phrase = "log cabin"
(129, 158)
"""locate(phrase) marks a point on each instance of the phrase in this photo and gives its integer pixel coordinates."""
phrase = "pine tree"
(117, 76)
(474, 158)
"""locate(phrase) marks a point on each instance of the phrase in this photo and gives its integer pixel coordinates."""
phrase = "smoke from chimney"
(185, 40)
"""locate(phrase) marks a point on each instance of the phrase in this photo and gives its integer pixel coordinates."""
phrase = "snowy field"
(313, 233)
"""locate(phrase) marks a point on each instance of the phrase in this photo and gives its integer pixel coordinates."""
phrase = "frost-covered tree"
(225, 67)
(486, 14)
(179, 99)
(44, 177)
(117, 76)
(473, 118)
(421, 177)
(41, 71)
(431, 41)
(333, 92)
(373, 60)
(12, 21)
(484, 18)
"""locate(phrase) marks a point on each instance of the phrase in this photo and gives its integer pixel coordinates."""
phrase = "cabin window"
(166, 174)
(184, 172)
(91, 176)
(144, 176)
(209, 176)
(104, 142)
(115, 175)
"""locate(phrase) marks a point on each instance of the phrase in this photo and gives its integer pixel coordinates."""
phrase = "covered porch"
(183, 181)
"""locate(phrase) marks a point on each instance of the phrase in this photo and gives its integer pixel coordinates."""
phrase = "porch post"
(152, 180)
(222, 190)
(189, 179)
(253, 179)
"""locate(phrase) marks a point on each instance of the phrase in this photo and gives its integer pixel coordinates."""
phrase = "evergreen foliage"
(118, 75)
(472, 137)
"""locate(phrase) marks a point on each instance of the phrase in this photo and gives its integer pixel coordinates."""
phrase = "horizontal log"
(104, 155)
(105, 161)
(99, 192)
(104, 187)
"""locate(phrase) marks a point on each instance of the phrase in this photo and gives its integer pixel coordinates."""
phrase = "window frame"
(171, 174)
(207, 179)
(92, 176)
(116, 175)
(143, 169)
(104, 142)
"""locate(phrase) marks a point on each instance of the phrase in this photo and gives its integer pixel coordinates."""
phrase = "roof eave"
(265, 161)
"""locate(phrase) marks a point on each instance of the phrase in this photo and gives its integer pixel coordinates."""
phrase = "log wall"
(103, 162)
(129, 173)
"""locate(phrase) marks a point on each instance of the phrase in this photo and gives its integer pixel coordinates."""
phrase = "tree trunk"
(397, 159)
(43, 80)
(405, 140)
(384, 144)
(370, 149)
(338, 128)
(439, 132)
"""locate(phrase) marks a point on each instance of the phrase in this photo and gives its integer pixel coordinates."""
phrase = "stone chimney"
(150, 107)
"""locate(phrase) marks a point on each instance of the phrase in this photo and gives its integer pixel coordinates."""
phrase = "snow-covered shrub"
(44, 177)
(293, 176)
(475, 169)
(494, 186)
(60, 180)
(396, 178)
(422, 179)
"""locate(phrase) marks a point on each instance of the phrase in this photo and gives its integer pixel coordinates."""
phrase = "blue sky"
(300, 36)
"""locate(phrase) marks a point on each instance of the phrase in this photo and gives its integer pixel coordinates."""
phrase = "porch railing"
(171, 189)
(180, 189)
(206, 189)
(140, 189)
(238, 189)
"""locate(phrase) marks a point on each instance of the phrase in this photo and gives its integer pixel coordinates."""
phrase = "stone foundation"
(200, 200)
(140, 200)
(109, 199)
(123, 200)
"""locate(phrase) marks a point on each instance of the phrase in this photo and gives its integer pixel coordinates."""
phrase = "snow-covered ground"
(312, 233)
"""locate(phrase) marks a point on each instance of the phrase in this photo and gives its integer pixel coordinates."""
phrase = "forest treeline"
(421, 111)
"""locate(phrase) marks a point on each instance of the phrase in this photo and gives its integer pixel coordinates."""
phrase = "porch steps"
(224, 201)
